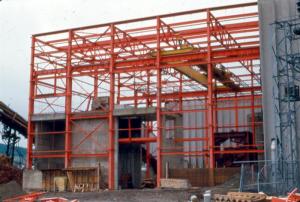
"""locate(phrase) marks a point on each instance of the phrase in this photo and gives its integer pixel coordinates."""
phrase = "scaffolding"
(286, 74)
(161, 62)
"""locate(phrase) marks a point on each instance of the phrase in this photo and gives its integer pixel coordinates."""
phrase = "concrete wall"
(269, 12)
(49, 142)
(96, 142)
(168, 138)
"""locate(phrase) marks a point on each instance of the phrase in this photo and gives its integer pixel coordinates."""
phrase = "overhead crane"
(220, 74)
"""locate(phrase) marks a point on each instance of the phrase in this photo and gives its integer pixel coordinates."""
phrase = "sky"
(19, 19)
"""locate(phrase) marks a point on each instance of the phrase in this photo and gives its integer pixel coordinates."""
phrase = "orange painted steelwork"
(124, 60)
(30, 197)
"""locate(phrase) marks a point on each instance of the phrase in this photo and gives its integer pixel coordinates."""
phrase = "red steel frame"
(125, 61)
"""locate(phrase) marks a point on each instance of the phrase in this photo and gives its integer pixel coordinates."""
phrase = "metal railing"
(270, 177)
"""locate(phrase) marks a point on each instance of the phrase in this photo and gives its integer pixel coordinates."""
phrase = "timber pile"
(8, 172)
(175, 183)
(240, 197)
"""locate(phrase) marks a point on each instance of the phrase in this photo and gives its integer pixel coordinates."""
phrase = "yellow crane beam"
(221, 75)
(193, 74)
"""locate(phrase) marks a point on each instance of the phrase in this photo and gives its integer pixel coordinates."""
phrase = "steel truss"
(137, 63)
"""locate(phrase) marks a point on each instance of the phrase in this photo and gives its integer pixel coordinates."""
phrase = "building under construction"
(158, 97)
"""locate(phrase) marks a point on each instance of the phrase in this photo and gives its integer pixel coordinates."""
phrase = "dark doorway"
(130, 154)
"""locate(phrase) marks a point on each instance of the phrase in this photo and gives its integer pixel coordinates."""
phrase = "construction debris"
(36, 196)
(84, 187)
(60, 183)
(292, 197)
(175, 183)
(207, 196)
(8, 172)
(30, 197)
(148, 183)
(240, 197)
(57, 199)
(10, 179)
(194, 198)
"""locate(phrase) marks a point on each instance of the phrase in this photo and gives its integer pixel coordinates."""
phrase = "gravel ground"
(150, 195)
(146, 195)
(10, 189)
(131, 195)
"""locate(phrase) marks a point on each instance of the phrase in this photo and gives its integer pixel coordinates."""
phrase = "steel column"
(111, 170)
(68, 100)
(210, 93)
(158, 104)
(30, 127)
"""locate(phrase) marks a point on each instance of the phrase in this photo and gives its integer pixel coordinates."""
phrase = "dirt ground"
(137, 195)
(150, 195)
(10, 189)
(145, 195)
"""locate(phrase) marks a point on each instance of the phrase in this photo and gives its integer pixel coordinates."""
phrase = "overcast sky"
(19, 19)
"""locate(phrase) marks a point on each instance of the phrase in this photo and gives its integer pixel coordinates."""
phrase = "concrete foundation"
(32, 180)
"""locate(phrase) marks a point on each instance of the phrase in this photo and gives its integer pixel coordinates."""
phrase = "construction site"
(198, 105)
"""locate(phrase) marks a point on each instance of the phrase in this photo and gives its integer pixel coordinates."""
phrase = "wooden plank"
(199, 177)
(71, 179)
(80, 168)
